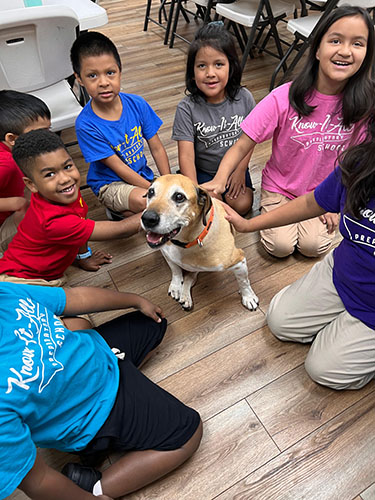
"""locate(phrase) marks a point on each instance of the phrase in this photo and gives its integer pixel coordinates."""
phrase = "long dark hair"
(358, 98)
(215, 36)
(357, 166)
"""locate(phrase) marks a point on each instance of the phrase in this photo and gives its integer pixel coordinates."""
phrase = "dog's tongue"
(153, 238)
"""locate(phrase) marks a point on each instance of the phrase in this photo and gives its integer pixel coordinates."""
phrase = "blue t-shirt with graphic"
(354, 258)
(57, 387)
(99, 138)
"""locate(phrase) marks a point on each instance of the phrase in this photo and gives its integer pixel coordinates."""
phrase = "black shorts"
(144, 415)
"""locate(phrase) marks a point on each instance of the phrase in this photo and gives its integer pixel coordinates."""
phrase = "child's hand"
(331, 220)
(95, 262)
(239, 223)
(214, 187)
(151, 310)
(236, 184)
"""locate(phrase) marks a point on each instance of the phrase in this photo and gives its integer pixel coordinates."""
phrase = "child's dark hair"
(18, 110)
(358, 172)
(359, 91)
(215, 36)
(33, 144)
(92, 43)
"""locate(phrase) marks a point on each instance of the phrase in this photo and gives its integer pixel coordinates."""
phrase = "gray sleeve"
(183, 128)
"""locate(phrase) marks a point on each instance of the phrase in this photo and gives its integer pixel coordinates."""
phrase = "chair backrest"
(35, 45)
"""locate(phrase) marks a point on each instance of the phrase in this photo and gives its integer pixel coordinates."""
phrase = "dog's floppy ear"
(204, 201)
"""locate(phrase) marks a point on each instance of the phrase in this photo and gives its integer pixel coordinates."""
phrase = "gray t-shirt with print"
(213, 128)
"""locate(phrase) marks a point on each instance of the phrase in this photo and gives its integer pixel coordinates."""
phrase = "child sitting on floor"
(55, 231)
(19, 113)
(207, 121)
(111, 127)
(332, 307)
(68, 391)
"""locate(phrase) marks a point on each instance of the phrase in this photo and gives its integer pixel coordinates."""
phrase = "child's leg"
(139, 468)
(157, 431)
(298, 312)
(123, 198)
(342, 355)
(277, 241)
(244, 201)
(313, 238)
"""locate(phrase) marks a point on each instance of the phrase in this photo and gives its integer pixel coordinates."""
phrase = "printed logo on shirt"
(131, 149)
(326, 135)
(39, 341)
(226, 133)
(358, 232)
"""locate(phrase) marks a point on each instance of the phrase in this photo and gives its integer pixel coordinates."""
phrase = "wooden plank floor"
(270, 433)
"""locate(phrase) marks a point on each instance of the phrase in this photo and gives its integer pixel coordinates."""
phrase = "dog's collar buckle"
(200, 242)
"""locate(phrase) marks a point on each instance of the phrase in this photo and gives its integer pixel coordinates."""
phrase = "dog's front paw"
(250, 300)
(175, 290)
(186, 302)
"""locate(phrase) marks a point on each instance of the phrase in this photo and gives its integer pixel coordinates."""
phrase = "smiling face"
(341, 53)
(173, 204)
(101, 77)
(55, 177)
(211, 73)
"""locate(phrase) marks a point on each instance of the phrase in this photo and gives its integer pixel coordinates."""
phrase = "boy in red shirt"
(54, 231)
(19, 113)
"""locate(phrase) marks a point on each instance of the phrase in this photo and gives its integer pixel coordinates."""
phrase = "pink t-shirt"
(304, 150)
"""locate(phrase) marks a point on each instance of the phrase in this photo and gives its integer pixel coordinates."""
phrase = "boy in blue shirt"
(111, 128)
(67, 390)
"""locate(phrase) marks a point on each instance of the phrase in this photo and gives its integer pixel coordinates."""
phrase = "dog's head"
(173, 202)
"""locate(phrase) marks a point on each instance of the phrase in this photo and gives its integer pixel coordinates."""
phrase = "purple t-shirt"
(354, 258)
(304, 150)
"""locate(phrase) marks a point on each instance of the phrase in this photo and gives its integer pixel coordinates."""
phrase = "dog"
(189, 227)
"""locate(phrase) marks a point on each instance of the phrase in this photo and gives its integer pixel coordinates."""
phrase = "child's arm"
(13, 204)
(302, 208)
(126, 173)
(233, 157)
(43, 483)
(159, 155)
(92, 261)
(81, 300)
(110, 230)
(237, 180)
(186, 160)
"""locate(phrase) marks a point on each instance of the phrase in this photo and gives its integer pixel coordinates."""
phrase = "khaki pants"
(342, 354)
(310, 237)
(31, 281)
(115, 196)
(7, 230)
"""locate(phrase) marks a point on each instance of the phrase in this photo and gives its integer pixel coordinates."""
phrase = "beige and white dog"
(193, 235)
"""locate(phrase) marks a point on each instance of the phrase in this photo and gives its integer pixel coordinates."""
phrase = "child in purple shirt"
(333, 305)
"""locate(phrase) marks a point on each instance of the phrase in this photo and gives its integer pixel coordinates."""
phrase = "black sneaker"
(82, 476)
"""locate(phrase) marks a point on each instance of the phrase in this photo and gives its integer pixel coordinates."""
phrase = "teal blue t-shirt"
(57, 387)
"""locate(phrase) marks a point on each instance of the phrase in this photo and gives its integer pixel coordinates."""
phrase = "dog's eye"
(150, 193)
(178, 197)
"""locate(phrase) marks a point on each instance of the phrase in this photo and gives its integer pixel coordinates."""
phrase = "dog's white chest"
(175, 254)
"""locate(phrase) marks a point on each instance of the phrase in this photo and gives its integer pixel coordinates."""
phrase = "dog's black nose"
(150, 219)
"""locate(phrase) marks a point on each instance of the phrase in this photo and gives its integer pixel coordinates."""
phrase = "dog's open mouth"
(156, 240)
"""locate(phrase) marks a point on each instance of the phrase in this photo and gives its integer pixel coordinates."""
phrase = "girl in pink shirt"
(310, 121)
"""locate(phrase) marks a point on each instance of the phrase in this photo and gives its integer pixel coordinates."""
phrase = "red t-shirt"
(47, 240)
(11, 183)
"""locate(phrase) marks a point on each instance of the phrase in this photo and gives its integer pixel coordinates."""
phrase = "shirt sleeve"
(183, 127)
(71, 229)
(53, 298)
(17, 452)
(262, 122)
(150, 121)
(329, 192)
